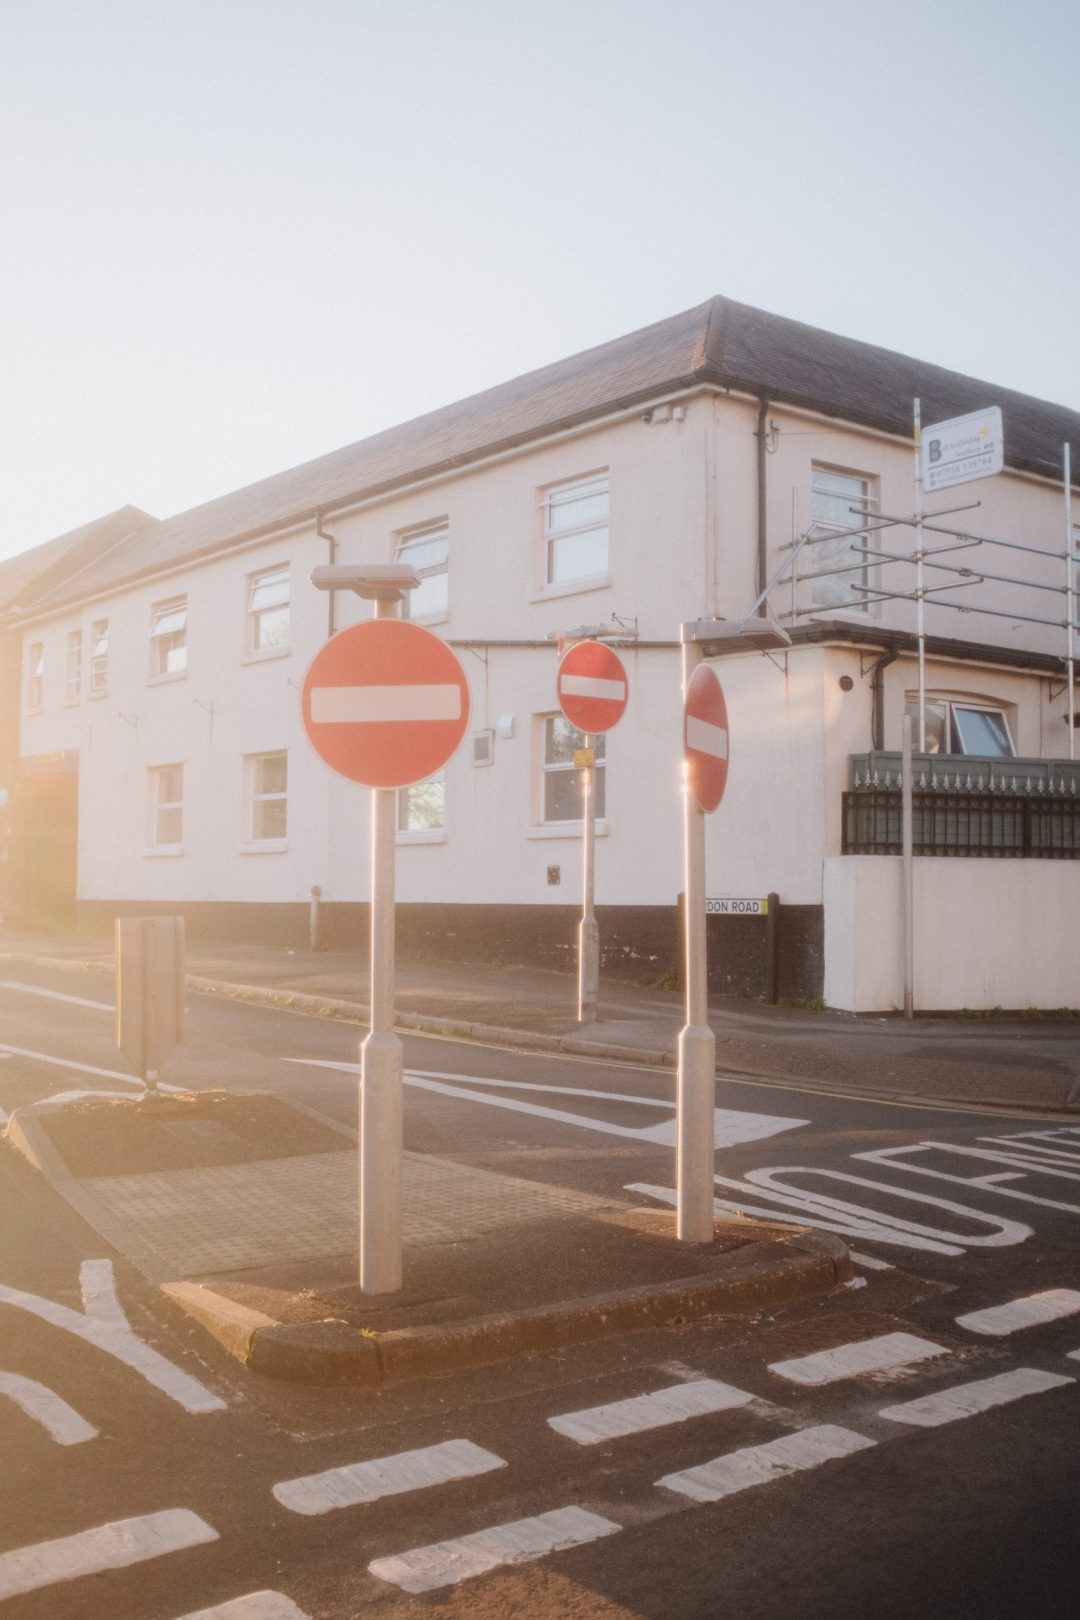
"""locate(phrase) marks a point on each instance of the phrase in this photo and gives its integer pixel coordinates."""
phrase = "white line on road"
(385, 1476)
(56, 995)
(761, 1465)
(364, 705)
(42, 1404)
(677, 1403)
(967, 1400)
(107, 1328)
(444, 1563)
(863, 1356)
(68, 1063)
(870, 1262)
(108, 1546)
(252, 1606)
(1031, 1311)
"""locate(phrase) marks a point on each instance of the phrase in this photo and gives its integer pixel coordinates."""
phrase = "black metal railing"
(1003, 825)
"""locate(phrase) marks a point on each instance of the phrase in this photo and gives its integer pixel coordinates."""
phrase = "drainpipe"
(331, 557)
(877, 699)
(762, 541)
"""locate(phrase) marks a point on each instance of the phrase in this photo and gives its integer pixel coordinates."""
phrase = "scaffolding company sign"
(962, 449)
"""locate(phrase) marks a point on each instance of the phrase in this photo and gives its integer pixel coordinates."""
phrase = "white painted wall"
(988, 933)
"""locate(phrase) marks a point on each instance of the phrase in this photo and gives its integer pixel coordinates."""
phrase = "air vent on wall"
(483, 747)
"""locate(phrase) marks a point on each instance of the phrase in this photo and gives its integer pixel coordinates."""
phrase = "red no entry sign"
(592, 688)
(385, 703)
(705, 738)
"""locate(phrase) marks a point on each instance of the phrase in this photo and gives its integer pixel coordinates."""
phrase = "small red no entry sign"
(705, 737)
(592, 687)
(385, 703)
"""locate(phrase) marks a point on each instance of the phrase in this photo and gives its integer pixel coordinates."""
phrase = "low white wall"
(988, 933)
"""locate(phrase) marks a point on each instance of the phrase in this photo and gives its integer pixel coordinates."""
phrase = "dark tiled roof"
(718, 342)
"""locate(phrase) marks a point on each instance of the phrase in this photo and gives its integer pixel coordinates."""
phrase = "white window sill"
(72, 702)
(264, 846)
(421, 835)
(572, 587)
(39, 709)
(93, 696)
(263, 655)
(163, 851)
(167, 678)
(566, 829)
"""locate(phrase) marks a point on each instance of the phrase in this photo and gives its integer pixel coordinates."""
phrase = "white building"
(659, 479)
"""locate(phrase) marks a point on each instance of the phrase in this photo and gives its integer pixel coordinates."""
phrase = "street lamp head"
(376, 582)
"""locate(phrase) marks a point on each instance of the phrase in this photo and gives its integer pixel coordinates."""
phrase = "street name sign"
(737, 908)
(705, 738)
(962, 449)
(385, 703)
(592, 687)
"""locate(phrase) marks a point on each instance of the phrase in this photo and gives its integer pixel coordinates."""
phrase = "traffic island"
(242, 1209)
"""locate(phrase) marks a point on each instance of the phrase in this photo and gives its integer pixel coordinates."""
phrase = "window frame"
(35, 677)
(835, 531)
(950, 705)
(428, 532)
(253, 797)
(99, 661)
(552, 769)
(253, 616)
(404, 834)
(559, 494)
(73, 667)
(157, 805)
(165, 642)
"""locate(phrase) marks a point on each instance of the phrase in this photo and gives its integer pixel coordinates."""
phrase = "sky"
(237, 234)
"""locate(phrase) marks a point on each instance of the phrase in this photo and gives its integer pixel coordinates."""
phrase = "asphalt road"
(775, 1496)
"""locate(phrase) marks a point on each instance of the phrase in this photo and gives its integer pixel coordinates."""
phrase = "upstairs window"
(168, 638)
(561, 789)
(955, 727)
(429, 554)
(166, 806)
(268, 610)
(838, 501)
(73, 672)
(35, 676)
(99, 658)
(576, 531)
(422, 807)
(268, 785)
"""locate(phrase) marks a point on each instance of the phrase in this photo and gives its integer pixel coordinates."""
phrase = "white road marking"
(761, 1465)
(967, 1400)
(1022, 1313)
(1073, 1355)
(364, 705)
(56, 995)
(42, 1404)
(108, 1546)
(677, 1403)
(385, 1476)
(252, 1606)
(894, 1159)
(706, 738)
(107, 1328)
(863, 1356)
(444, 1563)
(592, 686)
(870, 1262)
(67, 1063)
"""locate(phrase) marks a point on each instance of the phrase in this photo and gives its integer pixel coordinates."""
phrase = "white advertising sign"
(963, 449)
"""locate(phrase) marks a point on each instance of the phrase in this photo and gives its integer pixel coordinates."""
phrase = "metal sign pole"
(1070, 596)
(907, 867)
(588, 929)
(920, 626)
(381, 1107)
(696, 1083)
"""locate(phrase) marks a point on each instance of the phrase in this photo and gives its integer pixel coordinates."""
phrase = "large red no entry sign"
(592, 688)
(705, 736)
(385, 703)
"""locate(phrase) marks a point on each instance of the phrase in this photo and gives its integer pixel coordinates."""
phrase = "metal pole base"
(588, 969)
(695, 1149)
(381, 1129)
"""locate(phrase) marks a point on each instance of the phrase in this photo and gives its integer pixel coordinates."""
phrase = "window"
(268, 610)
(268, 782)
(73, 681)
(35, 675)
(422, 807)
(954, 727)
(99, 658)
(166, 806)
(428, 554)
(576, 531)
(168, 638)
(832, 497)
(561, 779)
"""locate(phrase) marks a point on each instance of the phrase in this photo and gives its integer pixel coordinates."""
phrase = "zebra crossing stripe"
(252, 1606)
(385, 1476)
(761, 1465)
(967, 1400)
(675, 1404)
(42, 1404)
(1030, 1311)
(108, 1546)
(863, 1356)
(444, 1563)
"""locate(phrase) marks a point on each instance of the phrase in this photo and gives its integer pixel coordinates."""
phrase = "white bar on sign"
(385, 1476)
(592, 686)
(706, 738)
(364, 705)
(444, 1563)
(863, 1356)
(675, 1404)
(966, 1400)
(1023, 1313)
(107, 1546)
(761, 1465)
